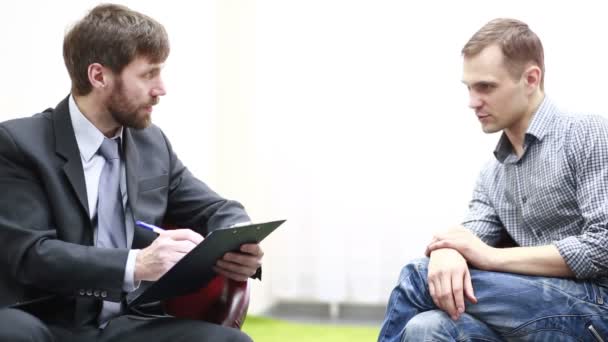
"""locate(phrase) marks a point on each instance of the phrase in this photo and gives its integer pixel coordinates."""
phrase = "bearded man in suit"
(74, 180)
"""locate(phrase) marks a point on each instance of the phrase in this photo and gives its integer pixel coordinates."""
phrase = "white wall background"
(346, 117)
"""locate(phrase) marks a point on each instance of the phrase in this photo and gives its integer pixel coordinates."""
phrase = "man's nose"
(474, 101)
(159, 89)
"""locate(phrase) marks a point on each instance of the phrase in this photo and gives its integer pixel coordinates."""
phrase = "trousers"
(511, 307)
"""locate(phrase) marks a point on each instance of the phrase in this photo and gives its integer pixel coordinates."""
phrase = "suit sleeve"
(34, 254)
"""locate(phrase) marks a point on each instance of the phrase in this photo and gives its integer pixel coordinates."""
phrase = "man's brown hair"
(518, 43)
(113, 36)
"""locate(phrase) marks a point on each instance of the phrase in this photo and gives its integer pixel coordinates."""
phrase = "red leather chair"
(223, 301)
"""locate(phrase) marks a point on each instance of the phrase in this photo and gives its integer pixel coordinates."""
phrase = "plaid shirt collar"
(540, 125)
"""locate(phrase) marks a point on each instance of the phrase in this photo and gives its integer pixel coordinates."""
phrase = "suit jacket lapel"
(141, 237)
(67, 147)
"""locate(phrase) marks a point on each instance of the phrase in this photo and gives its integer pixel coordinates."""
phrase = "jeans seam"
(479, 338)
(515, 331)
(592, 301)
(389, 315)
(552, 330)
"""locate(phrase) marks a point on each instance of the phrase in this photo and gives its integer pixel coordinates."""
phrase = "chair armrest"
(223, 301)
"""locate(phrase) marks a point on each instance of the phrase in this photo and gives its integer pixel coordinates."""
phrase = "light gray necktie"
(110, 213)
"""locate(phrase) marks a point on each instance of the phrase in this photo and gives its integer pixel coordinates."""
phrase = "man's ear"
(99, 76)
(532, 77)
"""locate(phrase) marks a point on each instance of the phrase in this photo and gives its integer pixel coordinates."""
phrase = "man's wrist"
(498, 258)
(138, 275)
(130, 283)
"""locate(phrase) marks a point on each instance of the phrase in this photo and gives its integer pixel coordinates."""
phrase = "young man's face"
(135, 91)
(499, 101)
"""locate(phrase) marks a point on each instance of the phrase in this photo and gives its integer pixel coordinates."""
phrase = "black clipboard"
(195, 269)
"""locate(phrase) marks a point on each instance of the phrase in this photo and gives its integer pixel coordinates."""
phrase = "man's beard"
(125, 112)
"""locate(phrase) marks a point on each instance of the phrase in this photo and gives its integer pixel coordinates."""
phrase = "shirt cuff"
(129, 284)
(575, 255)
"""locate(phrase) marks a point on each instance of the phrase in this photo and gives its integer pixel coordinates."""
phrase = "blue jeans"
(511, 307)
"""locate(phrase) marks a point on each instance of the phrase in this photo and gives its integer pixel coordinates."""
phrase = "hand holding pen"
(164, 252)
(238, 266)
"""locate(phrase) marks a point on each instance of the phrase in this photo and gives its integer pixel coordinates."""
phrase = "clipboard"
(195, 269)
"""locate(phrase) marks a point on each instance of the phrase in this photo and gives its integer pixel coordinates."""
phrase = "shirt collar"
(88, 137)
(540, 126)
(542, 120)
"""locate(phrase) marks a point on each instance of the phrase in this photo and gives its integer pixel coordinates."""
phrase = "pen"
(151, 227)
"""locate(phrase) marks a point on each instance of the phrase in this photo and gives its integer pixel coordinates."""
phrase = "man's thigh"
(527, 307)
(17, 325)
(436, 325)
(518, 306)
(136, 329)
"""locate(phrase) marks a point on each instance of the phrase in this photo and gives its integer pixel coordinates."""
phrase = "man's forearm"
(538, 261)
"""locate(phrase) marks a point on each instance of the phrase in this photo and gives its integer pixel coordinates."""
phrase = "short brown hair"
(518, 43)
(113, 36)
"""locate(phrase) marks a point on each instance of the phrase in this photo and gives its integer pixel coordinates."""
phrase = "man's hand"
(475, 251)
(164, 252)
(450, 281)
(241, 265)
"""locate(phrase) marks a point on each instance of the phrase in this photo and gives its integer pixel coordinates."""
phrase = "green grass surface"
(272, 330)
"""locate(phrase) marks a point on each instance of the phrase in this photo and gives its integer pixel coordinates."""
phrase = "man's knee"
(434, 323)
(413, 281)
(238, 336)
(211, 332)
(17, 325)
(416, 266)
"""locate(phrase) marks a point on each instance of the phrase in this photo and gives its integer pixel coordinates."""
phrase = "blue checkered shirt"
(556, 193)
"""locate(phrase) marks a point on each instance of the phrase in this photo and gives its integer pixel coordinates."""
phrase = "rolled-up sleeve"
(587, 253)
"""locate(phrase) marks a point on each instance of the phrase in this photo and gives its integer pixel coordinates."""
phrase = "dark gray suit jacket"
(47, 252)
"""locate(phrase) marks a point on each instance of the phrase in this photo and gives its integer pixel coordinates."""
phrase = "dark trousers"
(17, 325)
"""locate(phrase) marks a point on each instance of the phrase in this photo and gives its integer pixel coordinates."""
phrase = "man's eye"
(150, 74)
(484, 87)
